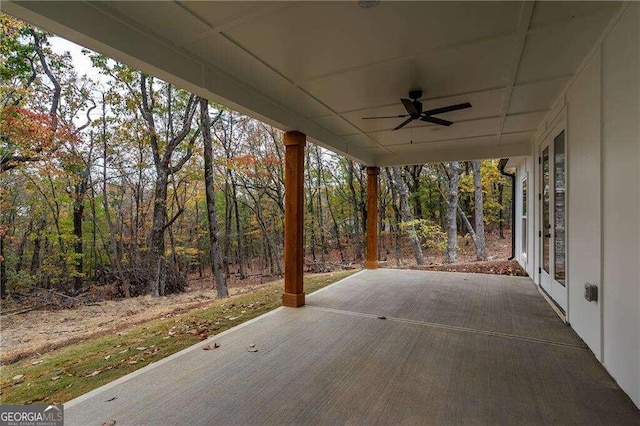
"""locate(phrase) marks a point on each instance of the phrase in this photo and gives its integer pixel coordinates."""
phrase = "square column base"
(293, 300)
(371, 264)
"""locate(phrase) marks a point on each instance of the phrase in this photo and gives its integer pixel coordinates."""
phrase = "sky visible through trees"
(109, 177)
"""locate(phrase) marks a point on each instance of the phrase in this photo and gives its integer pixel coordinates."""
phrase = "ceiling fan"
(414, 111)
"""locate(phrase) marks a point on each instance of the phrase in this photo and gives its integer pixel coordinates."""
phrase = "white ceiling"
(319, 67)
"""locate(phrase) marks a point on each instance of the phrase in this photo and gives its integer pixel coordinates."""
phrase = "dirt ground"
(27, 333)
(497, 249)
(494, 267)
(23, 334)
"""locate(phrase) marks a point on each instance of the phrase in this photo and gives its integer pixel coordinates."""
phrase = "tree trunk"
(403, 196)
(156, 238)
(78, 213)
(395, 230)
(22, 245)
(319, 172)
(467, 225)
(451, 183)
(310, 214)
(413, 184)
(501, 212)
(239, 232)
(216, 257)
(197, 237)
(164, 166)
(123, 282)
(3, 270)
(481, 251)
(357, 243)
(228, 211)
(37, 241)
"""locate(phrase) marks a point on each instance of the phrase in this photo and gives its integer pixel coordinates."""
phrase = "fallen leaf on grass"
(123, 351)
(95, 373)
(132, 362)
(54, 378)
(107, 357)
(36, 362)
(142, 348)
(17, 377)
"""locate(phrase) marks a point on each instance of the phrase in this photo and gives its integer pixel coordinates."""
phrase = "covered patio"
(454, 348)
(383, 346)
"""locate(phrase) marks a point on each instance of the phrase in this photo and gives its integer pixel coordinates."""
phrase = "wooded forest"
(140, 185)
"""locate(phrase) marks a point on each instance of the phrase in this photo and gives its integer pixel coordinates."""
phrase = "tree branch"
(173, 219)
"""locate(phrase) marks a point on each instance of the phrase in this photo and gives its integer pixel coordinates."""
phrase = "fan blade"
(410, 107)
(435, 120)
(388, 116)
(404, 123)
(447, 109)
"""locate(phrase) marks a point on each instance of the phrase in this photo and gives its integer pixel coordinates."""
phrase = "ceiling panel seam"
(560, 22)
(346, 149)
(240, 18)
(423, 99)
(138, 27)
(257, 58)
(542, 80)
(184, 7)
(453, 154)
(523, 27)
(424, 54)
(426, 126)
(464, 138)
(296, 87)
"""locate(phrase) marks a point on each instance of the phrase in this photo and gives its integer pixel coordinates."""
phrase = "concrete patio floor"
(454, 349)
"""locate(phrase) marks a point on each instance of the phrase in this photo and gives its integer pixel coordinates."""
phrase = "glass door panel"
(546, 214)
(559, 207)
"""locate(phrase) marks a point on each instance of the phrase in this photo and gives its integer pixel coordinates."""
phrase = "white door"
(553, 216)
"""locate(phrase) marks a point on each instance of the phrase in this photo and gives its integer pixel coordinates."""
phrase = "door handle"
(547, 235)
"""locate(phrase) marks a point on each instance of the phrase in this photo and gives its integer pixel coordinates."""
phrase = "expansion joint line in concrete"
(450, 327)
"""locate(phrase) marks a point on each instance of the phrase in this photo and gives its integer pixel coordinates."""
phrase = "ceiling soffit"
(319, 67)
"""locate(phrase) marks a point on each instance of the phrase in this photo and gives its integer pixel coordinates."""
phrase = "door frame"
(556, 293)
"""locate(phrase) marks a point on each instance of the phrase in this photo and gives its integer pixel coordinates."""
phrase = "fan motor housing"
(415, 94)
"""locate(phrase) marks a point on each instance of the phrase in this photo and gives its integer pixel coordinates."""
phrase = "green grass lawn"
(65, 373)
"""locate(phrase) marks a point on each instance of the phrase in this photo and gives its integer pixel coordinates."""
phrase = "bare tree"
(481, 251)
(403, 195)
(162, 159)
(451, 176)
(216, 257)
